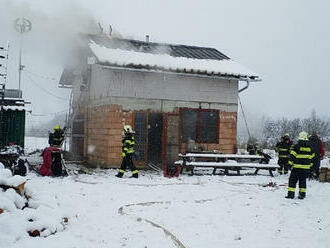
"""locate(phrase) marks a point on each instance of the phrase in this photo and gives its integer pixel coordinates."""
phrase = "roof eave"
(185, 72)
(64, 86)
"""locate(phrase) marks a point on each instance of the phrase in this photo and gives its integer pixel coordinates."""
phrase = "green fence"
(12, 127)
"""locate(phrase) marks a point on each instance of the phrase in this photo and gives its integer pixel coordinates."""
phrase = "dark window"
(78, 126)
(200, 125)
(140, 121)
(189, 124)
(208, 126)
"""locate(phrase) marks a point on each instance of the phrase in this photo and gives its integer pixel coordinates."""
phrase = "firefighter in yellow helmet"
(128, 143)
(57, 137)
(301, 156)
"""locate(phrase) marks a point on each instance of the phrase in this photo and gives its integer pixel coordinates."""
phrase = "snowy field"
(185, 212)
(198, 211)
(34, 143)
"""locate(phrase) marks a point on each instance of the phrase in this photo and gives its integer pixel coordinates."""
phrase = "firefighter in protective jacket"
(301, 156)
(318, 148)
(57, 137)
(283, 149)
(128, 152)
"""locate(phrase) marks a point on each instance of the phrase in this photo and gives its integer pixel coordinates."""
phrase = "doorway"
(148, 137)
(155, 129)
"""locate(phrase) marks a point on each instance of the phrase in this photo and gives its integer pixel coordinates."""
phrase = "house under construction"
(176, 97)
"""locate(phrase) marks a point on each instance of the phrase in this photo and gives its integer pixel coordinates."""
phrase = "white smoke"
(54, 30)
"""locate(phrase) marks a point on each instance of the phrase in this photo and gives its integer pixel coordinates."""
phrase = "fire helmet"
(57, 127)
(128, 129)
(303, 136)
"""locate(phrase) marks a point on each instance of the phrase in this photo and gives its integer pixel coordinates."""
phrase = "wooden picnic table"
(227, 162)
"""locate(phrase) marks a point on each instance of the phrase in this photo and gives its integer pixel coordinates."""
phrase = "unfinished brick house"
(172, 95)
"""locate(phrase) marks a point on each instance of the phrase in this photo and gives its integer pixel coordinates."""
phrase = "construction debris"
(324, 174)
(12, 157)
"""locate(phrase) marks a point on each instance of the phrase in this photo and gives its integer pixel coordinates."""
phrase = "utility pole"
(22, 25)
(4, 52)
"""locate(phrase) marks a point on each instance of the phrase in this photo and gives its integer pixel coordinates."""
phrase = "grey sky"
(285, 42)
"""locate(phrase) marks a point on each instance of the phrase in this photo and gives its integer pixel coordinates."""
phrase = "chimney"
(147, 38)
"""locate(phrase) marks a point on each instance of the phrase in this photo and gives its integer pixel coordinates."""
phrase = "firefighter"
(252, 148)
(301, 156)
(127, 153)
(57, 137)
(283, 149)
(318, 147)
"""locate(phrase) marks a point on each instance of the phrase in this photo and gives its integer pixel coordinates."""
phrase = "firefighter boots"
(135, 174)
(302, 195)
(290, 195)
(120, 174)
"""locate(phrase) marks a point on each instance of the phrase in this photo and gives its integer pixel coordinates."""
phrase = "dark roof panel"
(197, 52)
(185, 51)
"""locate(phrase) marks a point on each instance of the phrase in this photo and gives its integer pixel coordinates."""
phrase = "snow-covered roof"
(166, 57)
(10, 102)
(19, 108)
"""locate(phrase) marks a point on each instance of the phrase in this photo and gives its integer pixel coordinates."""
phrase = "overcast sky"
(285, 42)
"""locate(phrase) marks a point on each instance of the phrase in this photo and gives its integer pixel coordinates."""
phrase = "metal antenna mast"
(22, 25)
(4, 52)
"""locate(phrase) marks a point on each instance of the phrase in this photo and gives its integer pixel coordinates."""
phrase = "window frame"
(199, 125)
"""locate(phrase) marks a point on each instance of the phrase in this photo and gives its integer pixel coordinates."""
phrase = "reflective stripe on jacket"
(283, 149)
(128, 145)
(301, 155)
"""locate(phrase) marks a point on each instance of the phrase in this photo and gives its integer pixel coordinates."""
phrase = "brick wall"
(228, 132)
(104, 130)
(105, 124)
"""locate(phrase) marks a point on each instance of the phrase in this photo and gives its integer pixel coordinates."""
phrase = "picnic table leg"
(192, 171)
(238, 171)
(256, 172)
(271, 172)
(226, 172)
(183, 165)
(214, 170)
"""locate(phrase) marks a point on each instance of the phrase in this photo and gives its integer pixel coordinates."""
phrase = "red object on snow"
(45, 168)
(172, 171)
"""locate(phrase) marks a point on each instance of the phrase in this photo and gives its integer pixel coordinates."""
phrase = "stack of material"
(21, 215)
(325, 170)
(325, 174)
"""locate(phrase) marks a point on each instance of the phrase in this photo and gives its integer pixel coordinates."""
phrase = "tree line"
(267, 131)
(273, 129)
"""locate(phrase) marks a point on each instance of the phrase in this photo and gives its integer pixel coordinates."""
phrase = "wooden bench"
(227, 162)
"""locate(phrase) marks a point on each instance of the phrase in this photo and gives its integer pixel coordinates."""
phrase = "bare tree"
(315, 124)
(274, 129)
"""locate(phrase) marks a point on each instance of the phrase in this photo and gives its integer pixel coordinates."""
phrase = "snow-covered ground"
(189, 211)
